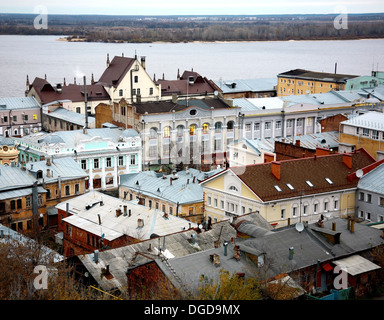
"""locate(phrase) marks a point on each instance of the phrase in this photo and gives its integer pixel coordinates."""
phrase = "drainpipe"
(317, 269)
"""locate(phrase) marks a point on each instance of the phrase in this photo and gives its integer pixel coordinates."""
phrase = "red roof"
(74, 92)
(325, 174)
(116, 71)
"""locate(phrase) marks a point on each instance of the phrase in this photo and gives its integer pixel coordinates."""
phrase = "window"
(278, 188)
(192, 129)
(121, 160)
(191, 210)
(28, 202)
(153, 133)
(164, 208)
(248, 127)
(209, 201)
(40, 200)
(309, 183)
(365, 132)
(282, 213)
(205, 128)
(133, 159)
(218, 126)
(329, 180)
(167, 132)
(278, 125)
(222, 204)
(96, 163)
(381, 201)
(233, 188)
(361, 196)
(109, 162)
(368, 216)
(256, 126)
(325, 205)
(375, 134)
(77, 189)
(35, 117)
(290, 123)
(335, 204)
(150, 91)
(305, 209)
(215, 202)
(136, 79)
(67, 190)
(369, 198)
(84, 164)
(315, 207)
(78, 110)
(150, 204)
(267, 125)
(290, 186)
(294, 211)
(217, 145)
(13, 204)
(14, 118)
(121, 92)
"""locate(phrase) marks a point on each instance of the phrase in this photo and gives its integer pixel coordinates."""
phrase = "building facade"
(104, 153)
(285, 192)
(19, 116)
(299, 81)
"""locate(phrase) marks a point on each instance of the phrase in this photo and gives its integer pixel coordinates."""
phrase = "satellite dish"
(299, 226)
(359, 173)
(200, 226)
(216, 93)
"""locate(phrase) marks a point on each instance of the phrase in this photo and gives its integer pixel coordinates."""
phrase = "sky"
(196, 7)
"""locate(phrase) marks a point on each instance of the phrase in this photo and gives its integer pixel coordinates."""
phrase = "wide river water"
(38, 56)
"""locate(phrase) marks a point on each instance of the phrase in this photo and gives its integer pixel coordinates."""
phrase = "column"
(102, 172)
(116, 163)
(90, 173)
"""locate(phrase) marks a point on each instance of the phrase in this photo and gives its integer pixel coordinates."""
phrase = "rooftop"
(86, 209)
(263, 178)
(183, 189)
(72, 117)
(372, 181)
(322, 76)
(370, 120)
(16, 103)
(116, 71)
(246, 85)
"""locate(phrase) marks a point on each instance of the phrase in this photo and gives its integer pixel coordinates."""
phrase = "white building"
(103, 153)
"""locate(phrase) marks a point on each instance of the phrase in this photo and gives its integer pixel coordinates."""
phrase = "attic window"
(309, 183)
(329, 180)
(233, 188)
(290, 186)
(193, 112)
(278, 188)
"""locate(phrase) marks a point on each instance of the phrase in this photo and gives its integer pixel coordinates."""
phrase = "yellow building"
(8, 151)
(365, 131)
(299, 81)
(288, 191)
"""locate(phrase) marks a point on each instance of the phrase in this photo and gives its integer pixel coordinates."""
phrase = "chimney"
(275, 169)
(118, 212)
(291, 253)
(140, 223)
(48, 163)
(98, 215)
(352, 226)
(298, 143)
(96, 256)
(48, 173)
(143, 62)
(334, 226)
(215, 259)
(347, 160)
(236, 252)
(322, 151)
(108, 62)
(125, 211)
(170, 181)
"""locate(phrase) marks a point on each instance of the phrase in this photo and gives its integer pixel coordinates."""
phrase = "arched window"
(153, 133)
(192, 129)
(230, 125)
(218, 126)
(233, 188)
(180, 130)
(205, 128)
(167, 132)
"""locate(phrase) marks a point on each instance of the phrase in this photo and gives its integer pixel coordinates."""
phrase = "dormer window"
(39, 174)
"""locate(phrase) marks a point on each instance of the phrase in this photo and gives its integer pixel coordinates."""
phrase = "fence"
(344, 294)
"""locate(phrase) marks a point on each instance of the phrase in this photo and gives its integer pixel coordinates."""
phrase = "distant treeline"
(95, 28)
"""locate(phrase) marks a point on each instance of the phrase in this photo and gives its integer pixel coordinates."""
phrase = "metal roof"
(113, 226)
(176, 245)
(356, 264)
(373, 180)
(244, 85)
(72, 117)
(182, 190)
(14, 103)
(370, 120)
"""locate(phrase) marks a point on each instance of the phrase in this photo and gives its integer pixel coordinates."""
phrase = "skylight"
(278, 188)
(309, 183)
(329, 180)
(290, 186)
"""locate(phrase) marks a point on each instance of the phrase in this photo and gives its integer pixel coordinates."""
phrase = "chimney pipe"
(347, 160)
(275, 169)
(291, 253)
(352, 226)
(98, 215)
(96, 256)
(334, 226)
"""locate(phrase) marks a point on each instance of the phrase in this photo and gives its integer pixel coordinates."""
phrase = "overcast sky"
(195, 7)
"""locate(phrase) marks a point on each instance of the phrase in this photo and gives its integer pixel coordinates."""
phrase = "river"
(38, 56)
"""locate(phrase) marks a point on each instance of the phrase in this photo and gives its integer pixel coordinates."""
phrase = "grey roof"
(13, 238)
(312, 141)
(71, 138)
(310, 246)
(14, 103)
(180, 191)
(370, 120)
(373, 180)
(72, 117)
(176, 245)
(5, 141)
(246, 85)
